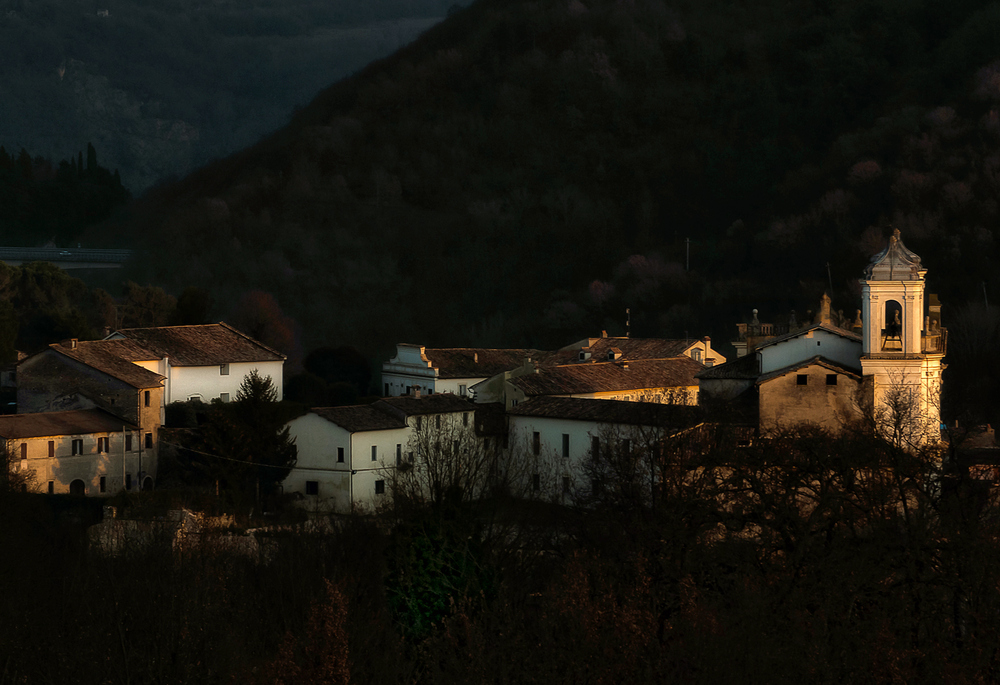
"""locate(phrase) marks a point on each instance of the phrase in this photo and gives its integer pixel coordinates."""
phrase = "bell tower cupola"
(902, 345)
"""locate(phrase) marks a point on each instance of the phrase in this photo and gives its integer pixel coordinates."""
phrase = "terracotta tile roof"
(814, 361)
(476, 362)
(204, 345)
(745, 368)
(677, 372)
(359, 418)
(631, 348)
(817, 327)
(609, 411)
(105, 358)
(58, 423)
(442, 403)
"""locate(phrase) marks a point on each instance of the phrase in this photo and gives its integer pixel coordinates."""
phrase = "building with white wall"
(347, 455)
(562, 435)
(204, 362)
(446, 370)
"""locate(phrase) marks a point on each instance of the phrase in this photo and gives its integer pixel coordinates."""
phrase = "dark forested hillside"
(527, 170)
(162, 87)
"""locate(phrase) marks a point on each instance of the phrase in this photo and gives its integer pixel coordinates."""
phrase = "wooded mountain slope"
(525, 171)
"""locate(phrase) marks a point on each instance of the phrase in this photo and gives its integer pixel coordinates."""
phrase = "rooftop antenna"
(628, 322)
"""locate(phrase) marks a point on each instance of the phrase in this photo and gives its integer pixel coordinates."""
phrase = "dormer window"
(584, 354)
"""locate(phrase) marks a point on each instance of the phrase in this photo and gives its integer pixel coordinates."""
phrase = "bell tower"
(902, 346)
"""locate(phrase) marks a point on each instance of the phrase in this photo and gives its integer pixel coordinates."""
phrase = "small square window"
(340, 455)
(312, 487)
(224, 396)
(223, 369)
(380, 487)
(462, 390)
(831, 379)
(801, 379)
(102, 445)
(78, 446)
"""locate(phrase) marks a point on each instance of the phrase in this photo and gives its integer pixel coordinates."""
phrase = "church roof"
(813, 361)
(895, 263)
(815, 327)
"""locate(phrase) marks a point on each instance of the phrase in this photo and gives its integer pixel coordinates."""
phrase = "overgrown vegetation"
(800, 559)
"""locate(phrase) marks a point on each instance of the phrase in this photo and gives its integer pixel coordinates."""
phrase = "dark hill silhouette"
(526, 170)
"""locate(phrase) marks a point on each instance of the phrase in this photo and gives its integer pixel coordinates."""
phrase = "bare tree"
(13, 476)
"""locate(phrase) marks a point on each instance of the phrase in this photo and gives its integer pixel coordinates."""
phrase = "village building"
(565, 435)
(201, 362)
(446, 370)
(76, 375)
(80, 452)
(347, 455)
(457, 370)
(666, 381)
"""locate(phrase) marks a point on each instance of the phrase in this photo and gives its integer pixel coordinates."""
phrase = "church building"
(886, 366)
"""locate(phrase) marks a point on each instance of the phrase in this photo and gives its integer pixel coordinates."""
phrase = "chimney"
(416, 391)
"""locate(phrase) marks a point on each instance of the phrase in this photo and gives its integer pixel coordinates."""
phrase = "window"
(536, 482)
(399, 454)
(145, 398)
(831, 379)
(149, 441)
(536, 443)
(103, 484)
(102, 445)
(595, 447)
(374, 453)
(565, 485)
(437, 421)
(128, 442)
(696, 355)
(52, 487)
(78, 446)
(128, 481)
(224, 396)
(223, 369)
(465, 418)
(24, 450)
(801, 379)
(462, 390)
(420, 422)
(312, 487)
(380, 487)
(340, 455)
(52, 449)
(565, 446)
(386, 393)
(513, 403)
